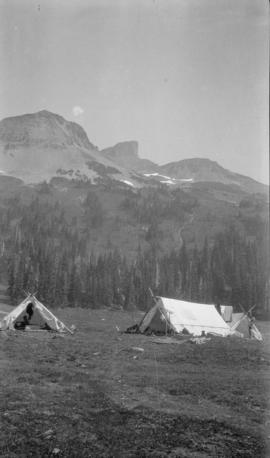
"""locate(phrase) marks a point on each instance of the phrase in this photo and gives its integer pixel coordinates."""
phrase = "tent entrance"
(159, 324)
(31, 318)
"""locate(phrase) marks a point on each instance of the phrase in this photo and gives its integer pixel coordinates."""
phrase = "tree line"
(43, 252)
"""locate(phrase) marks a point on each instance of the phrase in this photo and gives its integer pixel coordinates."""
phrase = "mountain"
(36, 147)
(40, 146)
(205, 170)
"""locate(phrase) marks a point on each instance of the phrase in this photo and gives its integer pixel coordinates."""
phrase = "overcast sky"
(185, 78)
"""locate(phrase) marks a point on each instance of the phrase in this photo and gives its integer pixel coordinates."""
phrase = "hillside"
(78, 243)
(84, 226)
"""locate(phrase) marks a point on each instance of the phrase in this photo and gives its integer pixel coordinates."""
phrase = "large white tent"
(171, 315)
(33, 314)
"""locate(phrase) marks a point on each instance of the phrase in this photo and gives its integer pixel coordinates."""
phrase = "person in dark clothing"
(29, 310)
(250, 326)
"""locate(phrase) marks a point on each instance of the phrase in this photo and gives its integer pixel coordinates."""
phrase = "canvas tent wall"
(171, 315)
(41, 317)
(226, 312)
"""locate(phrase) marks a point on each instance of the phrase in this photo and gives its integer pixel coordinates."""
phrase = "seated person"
(20, 325)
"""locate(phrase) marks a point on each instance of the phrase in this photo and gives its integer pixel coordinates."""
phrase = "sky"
(185, 78)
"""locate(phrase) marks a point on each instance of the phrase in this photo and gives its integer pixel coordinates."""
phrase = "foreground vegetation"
(97, 394)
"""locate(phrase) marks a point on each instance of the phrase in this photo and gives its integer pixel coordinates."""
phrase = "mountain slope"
(60, 234)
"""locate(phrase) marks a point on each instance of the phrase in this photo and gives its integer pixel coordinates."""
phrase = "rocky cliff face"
(126, 155)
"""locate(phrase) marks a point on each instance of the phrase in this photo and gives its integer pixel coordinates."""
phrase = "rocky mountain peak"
(42, 127)
(126, 154)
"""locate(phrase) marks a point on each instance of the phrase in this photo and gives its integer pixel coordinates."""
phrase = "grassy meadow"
(97, 394)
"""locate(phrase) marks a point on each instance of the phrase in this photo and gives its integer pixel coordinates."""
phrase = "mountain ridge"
(207, 170)
(39, 146)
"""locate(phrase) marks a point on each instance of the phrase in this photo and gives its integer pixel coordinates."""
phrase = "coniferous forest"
(46, 250)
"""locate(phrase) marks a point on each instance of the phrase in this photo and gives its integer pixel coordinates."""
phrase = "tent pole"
(69, 330)
(155, 300)
(247, 312)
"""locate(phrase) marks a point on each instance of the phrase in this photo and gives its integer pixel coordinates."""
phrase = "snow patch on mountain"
(156, 175)
(168, 181)
(128, 183)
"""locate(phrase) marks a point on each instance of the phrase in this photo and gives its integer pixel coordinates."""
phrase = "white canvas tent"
(34, 314)
(171, 315)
